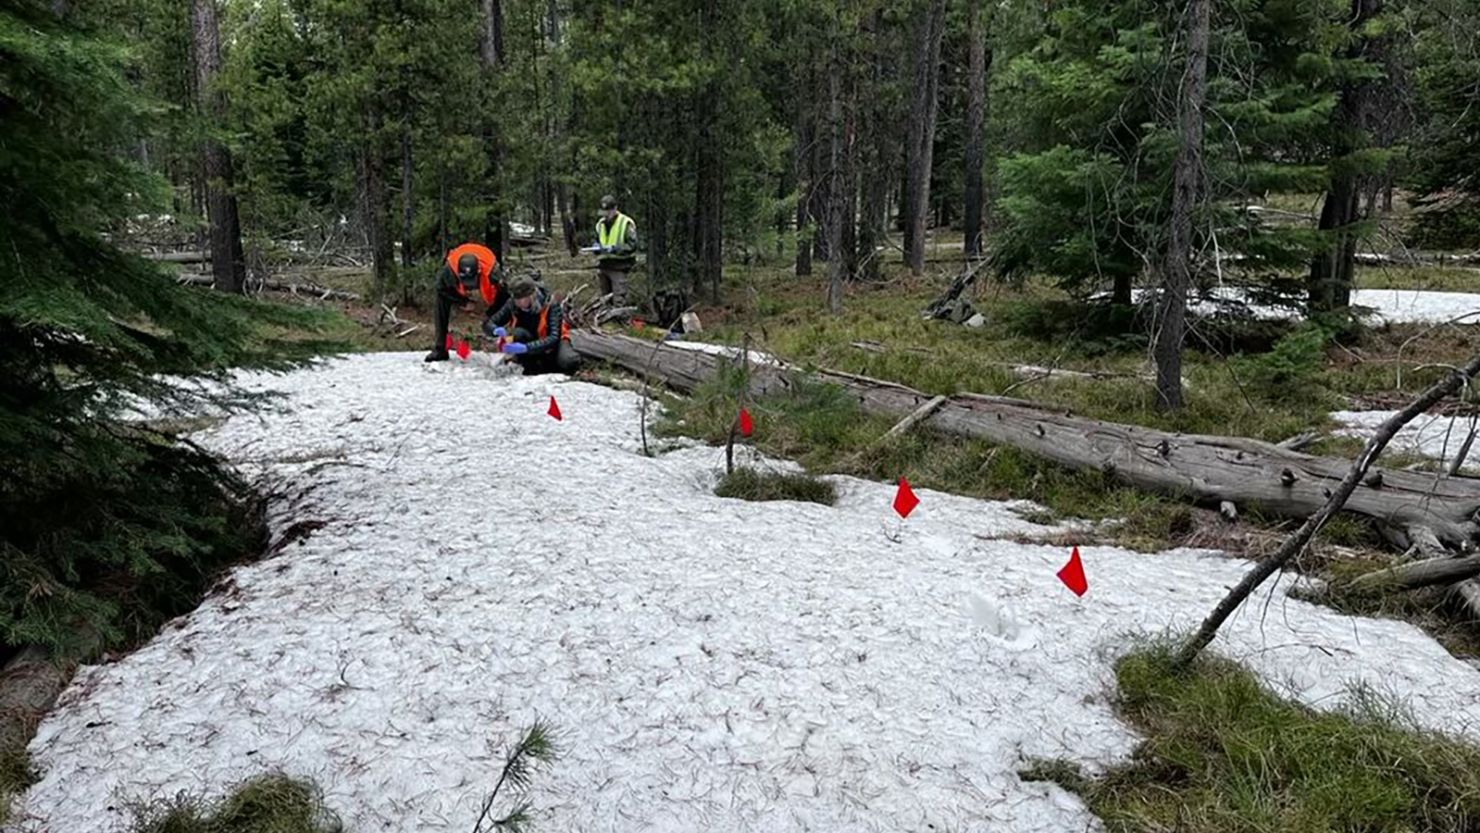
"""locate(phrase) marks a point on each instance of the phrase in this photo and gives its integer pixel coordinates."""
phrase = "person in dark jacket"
(535, 331)
(466, 278)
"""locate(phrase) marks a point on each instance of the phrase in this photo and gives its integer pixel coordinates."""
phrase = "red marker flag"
(746, 426)
(463, 349)
(904, 499)
(555, 410)
(448, 345)
(1072, 575)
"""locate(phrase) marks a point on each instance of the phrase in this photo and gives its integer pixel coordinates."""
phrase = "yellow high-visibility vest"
(613, 233)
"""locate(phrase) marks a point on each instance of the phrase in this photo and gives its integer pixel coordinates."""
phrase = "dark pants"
(613, 280)
(563, 359)
(447, 298)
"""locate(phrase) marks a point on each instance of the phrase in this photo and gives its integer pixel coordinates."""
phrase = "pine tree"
(106, 525)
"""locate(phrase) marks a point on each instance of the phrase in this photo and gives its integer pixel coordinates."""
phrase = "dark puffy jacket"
(545, 311)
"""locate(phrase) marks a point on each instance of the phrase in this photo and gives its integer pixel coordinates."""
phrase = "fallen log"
(1426, 573)
(178, 257)
(323, 293)
(1201, 468)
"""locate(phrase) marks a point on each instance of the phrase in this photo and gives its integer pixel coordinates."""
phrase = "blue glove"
(516, 348)
(499, 332)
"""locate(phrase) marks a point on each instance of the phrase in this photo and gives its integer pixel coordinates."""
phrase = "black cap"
(467, 265)
(608, 201)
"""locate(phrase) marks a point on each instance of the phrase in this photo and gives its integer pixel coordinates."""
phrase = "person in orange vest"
(466, 279)
(533, 329)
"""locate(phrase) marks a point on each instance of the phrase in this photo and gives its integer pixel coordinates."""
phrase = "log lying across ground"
(1206, 469)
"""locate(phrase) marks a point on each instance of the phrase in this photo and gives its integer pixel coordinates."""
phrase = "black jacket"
(512, 318)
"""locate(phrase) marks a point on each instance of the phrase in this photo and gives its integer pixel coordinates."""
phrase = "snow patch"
(1436, 436)
(711, 664)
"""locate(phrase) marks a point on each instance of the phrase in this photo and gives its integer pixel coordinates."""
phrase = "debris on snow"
(711, 664)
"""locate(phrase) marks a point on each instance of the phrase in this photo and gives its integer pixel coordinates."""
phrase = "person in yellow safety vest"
(616, 250)
(531, 325)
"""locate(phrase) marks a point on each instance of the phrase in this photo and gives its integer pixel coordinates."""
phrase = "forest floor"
(709, 663)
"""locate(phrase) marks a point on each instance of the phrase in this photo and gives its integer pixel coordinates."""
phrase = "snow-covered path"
(711, 664)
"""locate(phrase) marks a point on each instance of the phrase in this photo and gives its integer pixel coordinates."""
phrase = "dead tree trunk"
(1349, 488)
(1201, 468)
(978, 62)
(228, 261)
(921, 145)
(1186, 178)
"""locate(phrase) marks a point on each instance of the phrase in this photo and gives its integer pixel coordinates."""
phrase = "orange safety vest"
(544, 329)
(486, 264)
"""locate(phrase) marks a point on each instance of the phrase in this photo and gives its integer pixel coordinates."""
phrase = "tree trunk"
(836, 192)
(442, 207)
(375, 203)
(408, 194)
(921, 146)
(805, 176)
(878, 159)
(567, 220)
(709, 201)
(1331, 272)
(1186, 179)
(1201, 468)
(978, 62)
(228, 261)
(492, 56)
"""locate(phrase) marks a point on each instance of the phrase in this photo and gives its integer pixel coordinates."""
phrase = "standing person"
(538, 338)
(616, 250)
(466, 276)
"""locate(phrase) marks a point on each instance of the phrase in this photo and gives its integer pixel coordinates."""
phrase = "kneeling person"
(534, 324)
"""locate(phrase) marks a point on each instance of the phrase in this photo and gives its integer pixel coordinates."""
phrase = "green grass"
(821, 427)
(752, 484)
(1224, 755)
(1437, 278)
(266, 804)
(15, 775)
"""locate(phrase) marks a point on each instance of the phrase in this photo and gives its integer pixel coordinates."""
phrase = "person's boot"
(437, 356)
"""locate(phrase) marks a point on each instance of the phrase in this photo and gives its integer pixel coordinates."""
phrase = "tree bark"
(921, 145)
(1201, 468)
(978, 62)
(1331, 272)
(1186, 181)
(228, 261)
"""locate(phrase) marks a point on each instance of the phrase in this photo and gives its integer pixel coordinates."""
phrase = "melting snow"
(1429, 435)
(711, 664)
